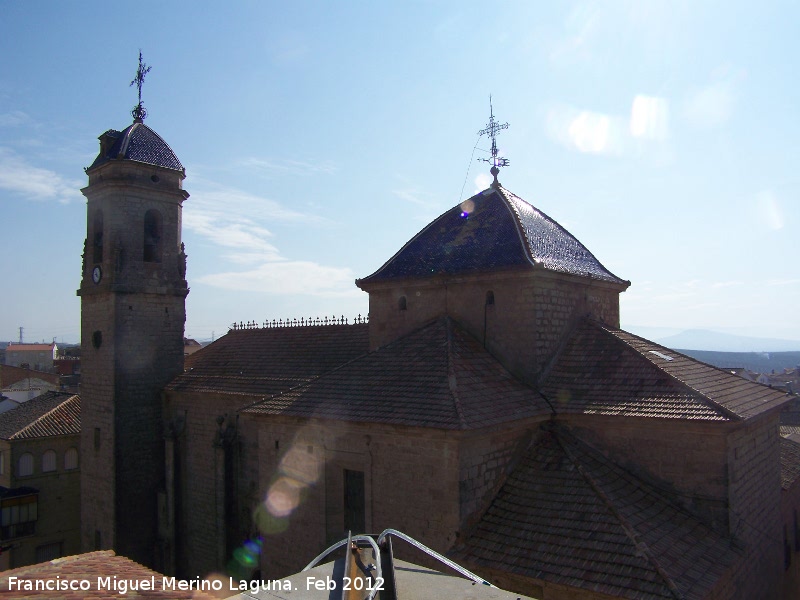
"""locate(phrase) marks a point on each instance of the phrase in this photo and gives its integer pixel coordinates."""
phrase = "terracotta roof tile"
(608, 371)
(568, 515)
(438, 376)
(89, 567)
(270, 360)
(52, 413)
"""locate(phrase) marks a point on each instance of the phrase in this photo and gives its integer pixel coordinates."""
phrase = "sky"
(319, 137)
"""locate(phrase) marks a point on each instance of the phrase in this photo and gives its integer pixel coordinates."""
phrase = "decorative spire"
(492, 129)
(139, 113)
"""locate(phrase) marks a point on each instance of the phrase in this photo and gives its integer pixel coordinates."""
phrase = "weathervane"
(492, 129)
(139, 113)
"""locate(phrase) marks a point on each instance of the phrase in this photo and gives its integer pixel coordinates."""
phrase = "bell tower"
(133, 290)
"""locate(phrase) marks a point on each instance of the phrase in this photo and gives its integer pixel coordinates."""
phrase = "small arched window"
(71, 459)
(401, 303)
(152, 236)
(490, 298)
(49, 461)
(97, 239)
(25, 466)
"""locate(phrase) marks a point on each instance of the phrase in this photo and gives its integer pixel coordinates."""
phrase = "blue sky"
(318, 137)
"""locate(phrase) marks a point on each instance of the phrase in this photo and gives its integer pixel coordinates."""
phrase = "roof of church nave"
(607, 371)
(139, 143)
(441, 377)
(271, 360)
(438, 377)
(493, 230)
(569, 515)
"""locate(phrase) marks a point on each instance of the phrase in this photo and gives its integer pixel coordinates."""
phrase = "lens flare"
(283, 496)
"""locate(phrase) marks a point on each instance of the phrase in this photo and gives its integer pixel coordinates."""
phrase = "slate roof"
(139, 143)
(90, 566)
(568, 515)
(493, 230)
(438, 377)
(52, 413)
(270, 360)
(607, 371)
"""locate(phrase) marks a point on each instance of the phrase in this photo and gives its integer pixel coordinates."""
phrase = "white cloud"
(290, 166)
(713, 104)
(288, 277)
(769, 210)
(586, 131)
(15, 118)
(35, 183)
(649, 117)
(482, 181)
(232, 220)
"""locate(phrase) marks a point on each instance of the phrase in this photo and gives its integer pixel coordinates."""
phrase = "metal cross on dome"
(139, 113)
(492, 129)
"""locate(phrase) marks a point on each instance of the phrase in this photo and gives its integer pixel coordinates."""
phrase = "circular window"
(154, 178)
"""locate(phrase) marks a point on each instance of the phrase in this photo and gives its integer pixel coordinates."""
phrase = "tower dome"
(139, 143)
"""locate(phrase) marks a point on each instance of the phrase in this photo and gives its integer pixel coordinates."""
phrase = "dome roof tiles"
(494, 229)
(137, 143)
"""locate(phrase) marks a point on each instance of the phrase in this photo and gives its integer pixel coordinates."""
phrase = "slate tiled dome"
(138, 143)
(493, 230)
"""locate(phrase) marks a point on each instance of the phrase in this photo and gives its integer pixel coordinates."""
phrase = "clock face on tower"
(97, 274)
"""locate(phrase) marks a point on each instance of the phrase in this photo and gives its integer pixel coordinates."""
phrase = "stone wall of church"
(410, 484)
(790, 512)
(199, 531)
(521, 317)
(484, 460)
(690, 458)
(754, 475)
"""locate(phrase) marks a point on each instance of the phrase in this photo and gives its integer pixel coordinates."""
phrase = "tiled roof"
(89, 567)
(493, 230)
(568, 515)
(790, 462)
(12, 347)
(607, 371)
(271, 360)
(139, 143)
(52, 413)
(438, 377)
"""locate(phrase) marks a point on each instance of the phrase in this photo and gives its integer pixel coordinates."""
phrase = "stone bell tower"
(133, 292)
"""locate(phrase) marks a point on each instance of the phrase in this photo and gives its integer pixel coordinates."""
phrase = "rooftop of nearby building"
(139, 143)
(89, 567)
(568, 515)
(494, 230)
(52, 413)
(437, 377)
(14, 347)
(10, 375)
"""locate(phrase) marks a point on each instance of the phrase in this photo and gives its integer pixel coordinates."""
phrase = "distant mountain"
(701, 339)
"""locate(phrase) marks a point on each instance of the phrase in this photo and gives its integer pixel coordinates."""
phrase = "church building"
(490, 407)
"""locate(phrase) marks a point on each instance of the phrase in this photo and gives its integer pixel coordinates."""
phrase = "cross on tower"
(492, 129)
(138, 112)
